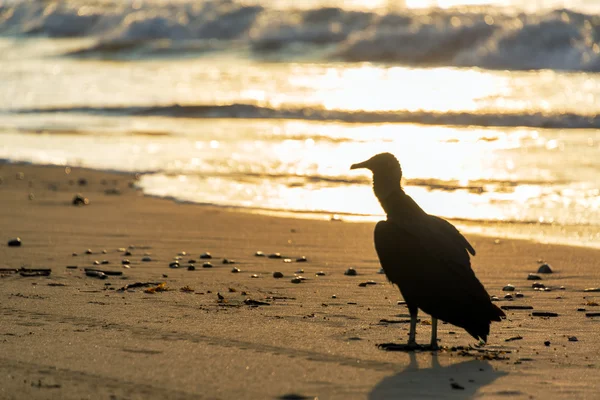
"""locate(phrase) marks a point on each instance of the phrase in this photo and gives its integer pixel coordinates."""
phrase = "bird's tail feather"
(497, 313)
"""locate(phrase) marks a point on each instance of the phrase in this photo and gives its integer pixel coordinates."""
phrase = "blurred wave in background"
(491, 106)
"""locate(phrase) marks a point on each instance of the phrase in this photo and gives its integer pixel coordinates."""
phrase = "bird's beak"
(364, 164)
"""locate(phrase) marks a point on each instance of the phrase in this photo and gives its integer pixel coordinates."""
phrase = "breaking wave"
(475, 37)
(250, 111)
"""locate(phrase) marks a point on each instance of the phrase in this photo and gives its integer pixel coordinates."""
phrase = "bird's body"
(427, 257)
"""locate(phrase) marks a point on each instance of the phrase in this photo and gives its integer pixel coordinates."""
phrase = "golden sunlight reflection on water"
(375, 88)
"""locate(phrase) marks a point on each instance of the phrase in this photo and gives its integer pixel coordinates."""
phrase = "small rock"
(205, 256)
(104, 262)
(277, 274)
(121, 249)
(228, 261)
(96, 262)
(16, 242)
(296, 280)
(547, 343)
(381, 271)
(562, 288)
(494, 298)
(182, 253)
(254, 276)
(88, 251)
(235, 270)
(191, 267)
(146, 259)
(581, 309)
(300, 271)
(31, 196)
(174, 264)
(573, 339)
(259, 254)
(545, 269)
(334, 296)
(71, 266)
(104, 251)
(127, 253)
(508, 288)
(302, 259)
(351, 272)
(592, 290)
(537, 285)
(80, 200)
(275, 255)
(74, 254)
(544, 314)
(82, 182)
(96, 274)
(519, 294)
(287, 260)
(191, 261)
(320, 273)
(534, 277)
(456, 386)
(508, 296)
(207, 265)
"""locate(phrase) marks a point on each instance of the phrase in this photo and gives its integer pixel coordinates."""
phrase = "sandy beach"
(247, 335)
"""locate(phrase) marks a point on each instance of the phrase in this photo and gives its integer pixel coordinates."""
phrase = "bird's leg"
(434, 345)
(412, 333)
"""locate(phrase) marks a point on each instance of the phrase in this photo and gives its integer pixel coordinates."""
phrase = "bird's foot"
(410, 346)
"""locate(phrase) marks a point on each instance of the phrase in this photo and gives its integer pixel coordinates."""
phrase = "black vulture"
(428, 258)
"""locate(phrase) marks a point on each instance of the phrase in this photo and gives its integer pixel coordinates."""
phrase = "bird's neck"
(396, 203)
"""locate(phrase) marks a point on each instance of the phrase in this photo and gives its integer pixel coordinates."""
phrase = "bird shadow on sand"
(459, 380)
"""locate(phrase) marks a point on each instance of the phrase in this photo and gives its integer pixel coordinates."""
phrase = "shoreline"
(585, 236)
(69, 335)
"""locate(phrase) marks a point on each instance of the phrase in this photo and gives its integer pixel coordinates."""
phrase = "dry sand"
(68, 336)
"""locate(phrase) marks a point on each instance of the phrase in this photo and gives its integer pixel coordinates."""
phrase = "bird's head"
(383, 165)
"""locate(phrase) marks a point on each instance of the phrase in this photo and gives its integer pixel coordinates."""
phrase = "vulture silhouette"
(428, 258)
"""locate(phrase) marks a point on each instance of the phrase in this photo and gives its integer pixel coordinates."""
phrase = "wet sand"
(70, 336)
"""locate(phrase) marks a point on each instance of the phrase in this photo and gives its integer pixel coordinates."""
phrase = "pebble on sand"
(146, 258)
(287, 260)
(277, 274)
(534, 277)
(508, 288)
(207, 265)
(235, 270)
(16, 242)
(228, 261)
(275, 255)
(320, 273)
(351, 272)
(537, 285)
(104, 262)
(174, 264)
(259, 254)
(381, 271)
(302, 259)
(296, 280)
(205, 256)
(88, 251)
(253, 276)
(573, 339)
(547, 343)
(191, 267)
(545, 269)
(80, 200)
(519, 294)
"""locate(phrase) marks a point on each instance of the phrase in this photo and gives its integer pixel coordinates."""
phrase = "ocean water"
(490, 106)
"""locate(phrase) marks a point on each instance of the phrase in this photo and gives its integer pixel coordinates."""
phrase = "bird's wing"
(439, 237)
